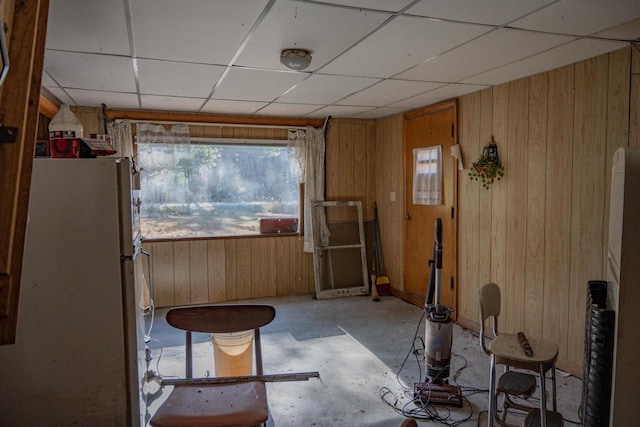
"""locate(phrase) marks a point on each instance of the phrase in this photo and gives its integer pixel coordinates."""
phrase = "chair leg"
(553, 391)
(492, 391)
(543, 398)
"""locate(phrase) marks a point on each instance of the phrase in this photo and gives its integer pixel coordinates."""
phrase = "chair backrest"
(489, 308)
(221, 319)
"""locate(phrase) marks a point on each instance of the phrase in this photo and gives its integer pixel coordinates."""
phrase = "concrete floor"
(359, 347)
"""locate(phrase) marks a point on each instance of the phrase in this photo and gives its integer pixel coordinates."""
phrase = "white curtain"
(427, 175)
(168, 151)
(121, 138)
(307, 147)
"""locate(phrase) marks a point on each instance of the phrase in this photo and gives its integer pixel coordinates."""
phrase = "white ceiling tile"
(379, 112)
(284, 109)
(251, 85)
(201, 31)
(389, 91)
(339, 111)
(62, 96)
(190, 80)
(627, 31)
(446, 92)
(325, 31)
(393, 48)
(88, 26)
(569, 53)
(92, 98)
(221, 106)
(485, 53)
(493, 12)
(386, 5)
(47, 81)
(324, 89)
(182, 49)
(91, 71)
(581, 17)
(170, 103)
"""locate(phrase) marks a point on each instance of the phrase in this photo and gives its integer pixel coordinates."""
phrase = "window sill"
(244, 236)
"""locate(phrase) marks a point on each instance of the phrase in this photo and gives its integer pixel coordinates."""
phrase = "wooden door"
(431, 126)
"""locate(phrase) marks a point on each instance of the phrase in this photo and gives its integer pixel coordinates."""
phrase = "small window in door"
(427, 175)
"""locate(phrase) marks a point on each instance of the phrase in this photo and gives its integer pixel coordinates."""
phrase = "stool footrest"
(554, 419)
(517, 383)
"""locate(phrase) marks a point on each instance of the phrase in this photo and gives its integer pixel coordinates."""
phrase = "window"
(427, 175)
(213, 189)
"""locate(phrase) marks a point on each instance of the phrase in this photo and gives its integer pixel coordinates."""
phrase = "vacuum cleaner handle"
(437, 233)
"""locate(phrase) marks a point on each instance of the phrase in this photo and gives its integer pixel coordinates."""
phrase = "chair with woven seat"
(234, 404)
(505, 349)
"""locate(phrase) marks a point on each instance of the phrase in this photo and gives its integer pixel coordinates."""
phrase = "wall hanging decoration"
(488, 167)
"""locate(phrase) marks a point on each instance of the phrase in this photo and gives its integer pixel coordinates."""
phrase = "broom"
(383, 284)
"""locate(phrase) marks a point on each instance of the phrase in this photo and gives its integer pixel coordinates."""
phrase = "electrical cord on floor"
(413, 350)
(422, 409)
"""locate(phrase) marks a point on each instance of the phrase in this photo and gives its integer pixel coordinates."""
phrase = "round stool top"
(508, 347)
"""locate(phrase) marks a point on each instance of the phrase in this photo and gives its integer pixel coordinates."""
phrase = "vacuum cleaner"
(438, 338)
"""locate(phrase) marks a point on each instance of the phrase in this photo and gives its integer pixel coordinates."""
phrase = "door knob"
(407, 216)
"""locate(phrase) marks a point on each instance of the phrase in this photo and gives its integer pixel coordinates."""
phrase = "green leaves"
(486, 170)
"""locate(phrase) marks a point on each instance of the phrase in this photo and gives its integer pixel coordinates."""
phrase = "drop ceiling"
(371, 58)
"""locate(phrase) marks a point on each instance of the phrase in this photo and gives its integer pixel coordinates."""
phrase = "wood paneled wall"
(208, 271)
(389, 178)
(350, 166)
(540, 233)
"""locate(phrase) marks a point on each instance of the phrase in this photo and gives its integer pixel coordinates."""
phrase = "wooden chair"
(506, 350)
(237, 404)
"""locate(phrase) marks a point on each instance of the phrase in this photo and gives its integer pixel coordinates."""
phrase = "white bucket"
(233, 353)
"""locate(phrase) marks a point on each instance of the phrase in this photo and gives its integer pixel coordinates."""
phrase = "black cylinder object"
(598, 357)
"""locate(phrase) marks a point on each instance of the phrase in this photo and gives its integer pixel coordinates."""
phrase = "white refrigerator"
(79, 357)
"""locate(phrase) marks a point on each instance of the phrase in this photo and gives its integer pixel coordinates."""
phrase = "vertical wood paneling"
(230, 268)
(332, 162)
(299, 269)
(370, 150)
(516, 212)
(587, 199)
(198, 272)
(557, 181)
(243, 268)
(485, 199)
(359, 154)
(345, 163)
(271, 279)
(389, 178)
(499, 190)
(535, 210)
(307, 259)
(163, 277)
(468, 199)
(216, 275)
(181, 272)
(558, 205)
(284, 276)
(91, 119)
(259, 268)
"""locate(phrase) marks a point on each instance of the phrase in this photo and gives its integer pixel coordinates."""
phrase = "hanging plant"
(488, 167)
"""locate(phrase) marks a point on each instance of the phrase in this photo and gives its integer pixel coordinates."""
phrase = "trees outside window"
(205, 190)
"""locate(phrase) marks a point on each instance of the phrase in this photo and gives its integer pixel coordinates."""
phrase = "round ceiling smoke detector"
(295, 59)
